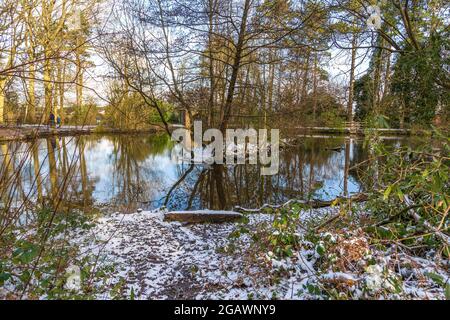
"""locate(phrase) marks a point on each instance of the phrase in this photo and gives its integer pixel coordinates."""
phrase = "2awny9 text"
(226, 309)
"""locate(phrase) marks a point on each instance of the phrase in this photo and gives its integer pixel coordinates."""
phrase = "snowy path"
(160, 259)
(170, 260)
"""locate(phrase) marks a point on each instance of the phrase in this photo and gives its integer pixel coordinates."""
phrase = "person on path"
(51, 119)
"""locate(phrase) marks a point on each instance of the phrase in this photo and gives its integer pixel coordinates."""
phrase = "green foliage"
(412, 200)
(323, 109)
(34, 258)
(280, 237)
(167, 110)
(417, 90)
(363, 95)
(84, 115)
(284, 238)
(407, 210)
(130, 111)
(417, 81)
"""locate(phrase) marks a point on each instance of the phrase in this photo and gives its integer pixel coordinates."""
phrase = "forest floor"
(155, 259)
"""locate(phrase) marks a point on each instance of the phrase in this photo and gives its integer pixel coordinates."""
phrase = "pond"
(126, 172)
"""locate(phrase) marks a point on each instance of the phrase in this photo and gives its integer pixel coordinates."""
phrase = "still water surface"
(126, 172)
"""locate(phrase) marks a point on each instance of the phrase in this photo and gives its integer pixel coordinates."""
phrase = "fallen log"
(313, 204)
(203, 216)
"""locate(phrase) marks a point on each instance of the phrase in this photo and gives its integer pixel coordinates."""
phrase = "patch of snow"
(171, 260)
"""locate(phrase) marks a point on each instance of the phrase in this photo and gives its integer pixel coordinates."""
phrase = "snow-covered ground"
(162, 259)
(170, 260)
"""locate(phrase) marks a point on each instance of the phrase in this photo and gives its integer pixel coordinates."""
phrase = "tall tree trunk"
(305, 76)
(377, 81)
(402, 113)
(218, 171)
(31, 94)
(271, 82)
(212, 81)
(315, 89)
(351, 82)
(2, 100)
(48, 90)
(387, 74)
(79, 76)
(31, 114)
(61, 79)
(236, 66)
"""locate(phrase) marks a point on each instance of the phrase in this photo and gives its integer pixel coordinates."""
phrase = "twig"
(314, 204)
(426, 224)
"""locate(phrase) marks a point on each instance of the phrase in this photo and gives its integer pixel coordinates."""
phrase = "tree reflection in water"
(125, 172)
